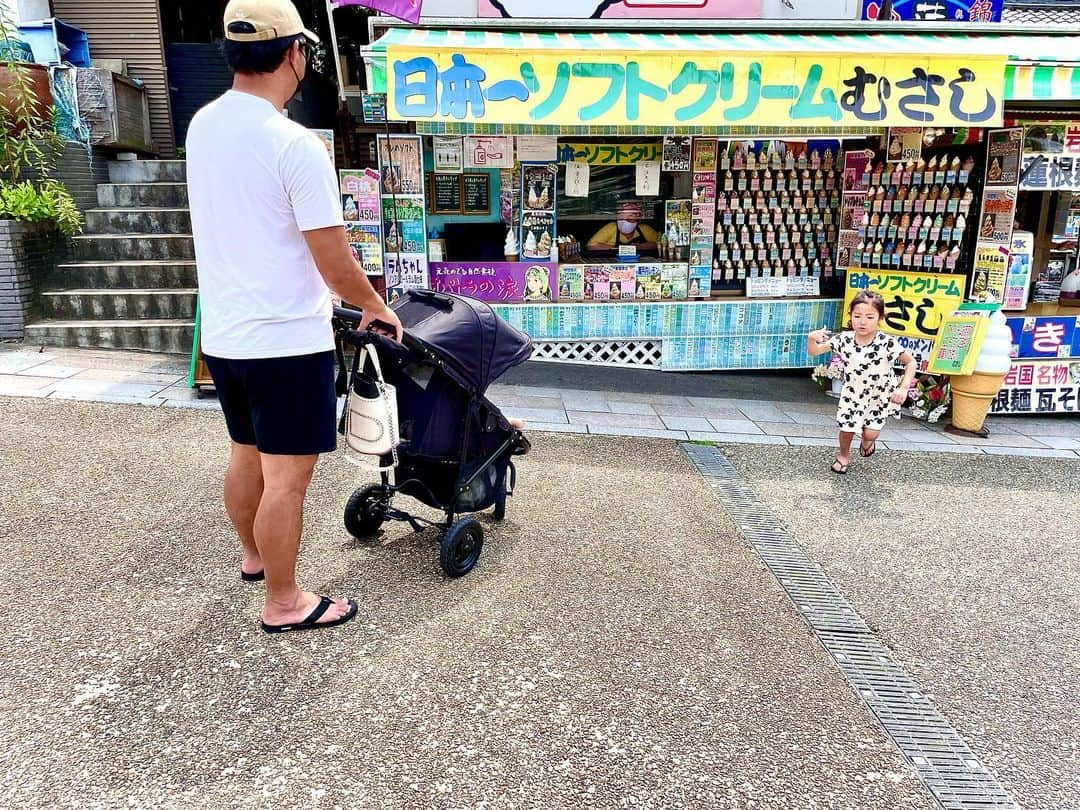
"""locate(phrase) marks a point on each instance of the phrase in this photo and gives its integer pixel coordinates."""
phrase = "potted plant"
(830, 374)
(929, 397)
(37, 213)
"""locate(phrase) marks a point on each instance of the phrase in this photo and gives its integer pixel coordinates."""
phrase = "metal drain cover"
(941, 758)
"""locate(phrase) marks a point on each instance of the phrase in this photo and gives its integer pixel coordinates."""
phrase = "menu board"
(957, 345)
(476, 193)
(1003, 156)
(445, 194)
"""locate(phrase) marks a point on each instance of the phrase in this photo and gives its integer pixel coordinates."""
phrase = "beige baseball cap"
(271, 19)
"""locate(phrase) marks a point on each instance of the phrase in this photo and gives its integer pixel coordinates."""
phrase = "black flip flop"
(312, 621)
(842, 470)
(258, 576)
(867, 453)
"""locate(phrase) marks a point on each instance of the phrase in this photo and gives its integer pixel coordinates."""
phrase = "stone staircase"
(131, 283)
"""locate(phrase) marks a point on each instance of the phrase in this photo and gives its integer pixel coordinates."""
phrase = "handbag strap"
(374, 357)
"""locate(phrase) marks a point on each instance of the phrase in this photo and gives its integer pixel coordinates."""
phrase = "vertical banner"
(702, 217)
(537, 210)
(1004, 152)
(401, 182)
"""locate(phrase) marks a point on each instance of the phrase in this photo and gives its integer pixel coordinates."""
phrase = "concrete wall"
(81, 172)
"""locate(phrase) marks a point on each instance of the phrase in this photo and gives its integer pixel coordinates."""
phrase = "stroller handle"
(346, 314)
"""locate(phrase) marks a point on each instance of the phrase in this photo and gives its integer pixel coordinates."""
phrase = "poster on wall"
(404, 222)
(571, 282)
(449, 157)
(538, 181)
(676, 153)
(702, 217)
(999, 208)
(905, 144)
(677, 220)
(1004, 148)
(401, 164)
(1018, 275)
(991, 269)
(488, 151)
(537, 148)
(496, 281)
(362, 208)
(577, 179)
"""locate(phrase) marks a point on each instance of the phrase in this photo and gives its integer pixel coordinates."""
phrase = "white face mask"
(627, 227)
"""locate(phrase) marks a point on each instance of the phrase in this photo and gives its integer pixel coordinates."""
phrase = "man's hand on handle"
(384, 321)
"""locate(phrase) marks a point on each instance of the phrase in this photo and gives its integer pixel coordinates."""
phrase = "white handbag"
(371, 420)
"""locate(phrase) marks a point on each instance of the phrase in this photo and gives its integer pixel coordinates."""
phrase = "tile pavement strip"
(943, 761)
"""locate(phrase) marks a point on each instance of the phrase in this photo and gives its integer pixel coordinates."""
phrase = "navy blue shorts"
(285, 406)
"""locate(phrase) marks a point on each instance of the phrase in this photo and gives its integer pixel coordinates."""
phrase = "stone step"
(123, 305)
(138, 220)
(131, 247)
(125, 275)
(164, 336)
(142, 195)
(147, 171)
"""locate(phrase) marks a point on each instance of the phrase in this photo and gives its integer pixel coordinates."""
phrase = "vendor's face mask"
(626, 226)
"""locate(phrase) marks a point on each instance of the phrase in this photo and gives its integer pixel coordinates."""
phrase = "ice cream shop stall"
(699, 201)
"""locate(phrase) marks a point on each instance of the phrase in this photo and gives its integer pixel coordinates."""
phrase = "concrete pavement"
(969, 571)
(771, 408)
(617, 646)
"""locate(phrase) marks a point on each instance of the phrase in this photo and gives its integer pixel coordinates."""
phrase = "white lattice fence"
(635, 353)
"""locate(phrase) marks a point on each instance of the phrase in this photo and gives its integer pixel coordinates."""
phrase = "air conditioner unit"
(116, 108)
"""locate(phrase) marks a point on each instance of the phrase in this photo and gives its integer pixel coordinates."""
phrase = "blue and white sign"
(938, 10)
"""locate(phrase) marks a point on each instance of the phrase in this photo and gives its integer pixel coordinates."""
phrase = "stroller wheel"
(366, 511)
(460, 547)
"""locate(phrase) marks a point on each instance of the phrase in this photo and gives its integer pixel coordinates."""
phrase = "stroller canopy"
(465, 332)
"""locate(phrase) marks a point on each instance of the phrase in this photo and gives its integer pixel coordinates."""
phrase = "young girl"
(870, 393)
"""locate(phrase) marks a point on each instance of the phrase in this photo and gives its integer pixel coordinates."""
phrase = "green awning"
(1040, 68)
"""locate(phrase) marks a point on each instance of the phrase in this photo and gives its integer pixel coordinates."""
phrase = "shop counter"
(715, 335)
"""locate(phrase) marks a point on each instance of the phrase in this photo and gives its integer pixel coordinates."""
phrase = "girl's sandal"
(865, 451)
(838, 468)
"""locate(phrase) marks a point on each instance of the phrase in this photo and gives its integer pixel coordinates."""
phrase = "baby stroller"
(456, 447)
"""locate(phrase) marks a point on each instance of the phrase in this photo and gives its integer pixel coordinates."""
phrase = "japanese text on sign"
(1040, 387)
(1050, 173)
(609, 154)
(915, 303)
(653, 87)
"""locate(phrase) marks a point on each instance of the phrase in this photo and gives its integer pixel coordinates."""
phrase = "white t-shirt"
(256, 181)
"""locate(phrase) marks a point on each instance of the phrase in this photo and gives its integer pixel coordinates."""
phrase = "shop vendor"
(628, 229)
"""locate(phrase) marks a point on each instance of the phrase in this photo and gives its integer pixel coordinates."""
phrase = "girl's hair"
(868, 297)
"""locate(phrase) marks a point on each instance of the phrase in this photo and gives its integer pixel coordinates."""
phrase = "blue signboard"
(938, 10)
(1047, 337)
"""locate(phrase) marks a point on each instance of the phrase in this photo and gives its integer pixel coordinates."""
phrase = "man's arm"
(344, 275)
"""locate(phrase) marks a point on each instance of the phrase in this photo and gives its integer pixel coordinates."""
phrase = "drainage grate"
(946, 765)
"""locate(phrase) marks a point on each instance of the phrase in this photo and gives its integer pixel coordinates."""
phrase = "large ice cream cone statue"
(973, 393)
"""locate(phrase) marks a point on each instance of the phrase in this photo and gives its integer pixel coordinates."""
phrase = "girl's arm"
(910, 368)
(817, 342)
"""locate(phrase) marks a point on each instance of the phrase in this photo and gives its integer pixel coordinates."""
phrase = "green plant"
(29, 141)
(47, 202)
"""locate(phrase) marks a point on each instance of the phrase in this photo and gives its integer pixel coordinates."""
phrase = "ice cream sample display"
(973, 393)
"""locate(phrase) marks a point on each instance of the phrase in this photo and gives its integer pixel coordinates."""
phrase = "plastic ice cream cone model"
(973, 393)
(530, 245)
(510, 246)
